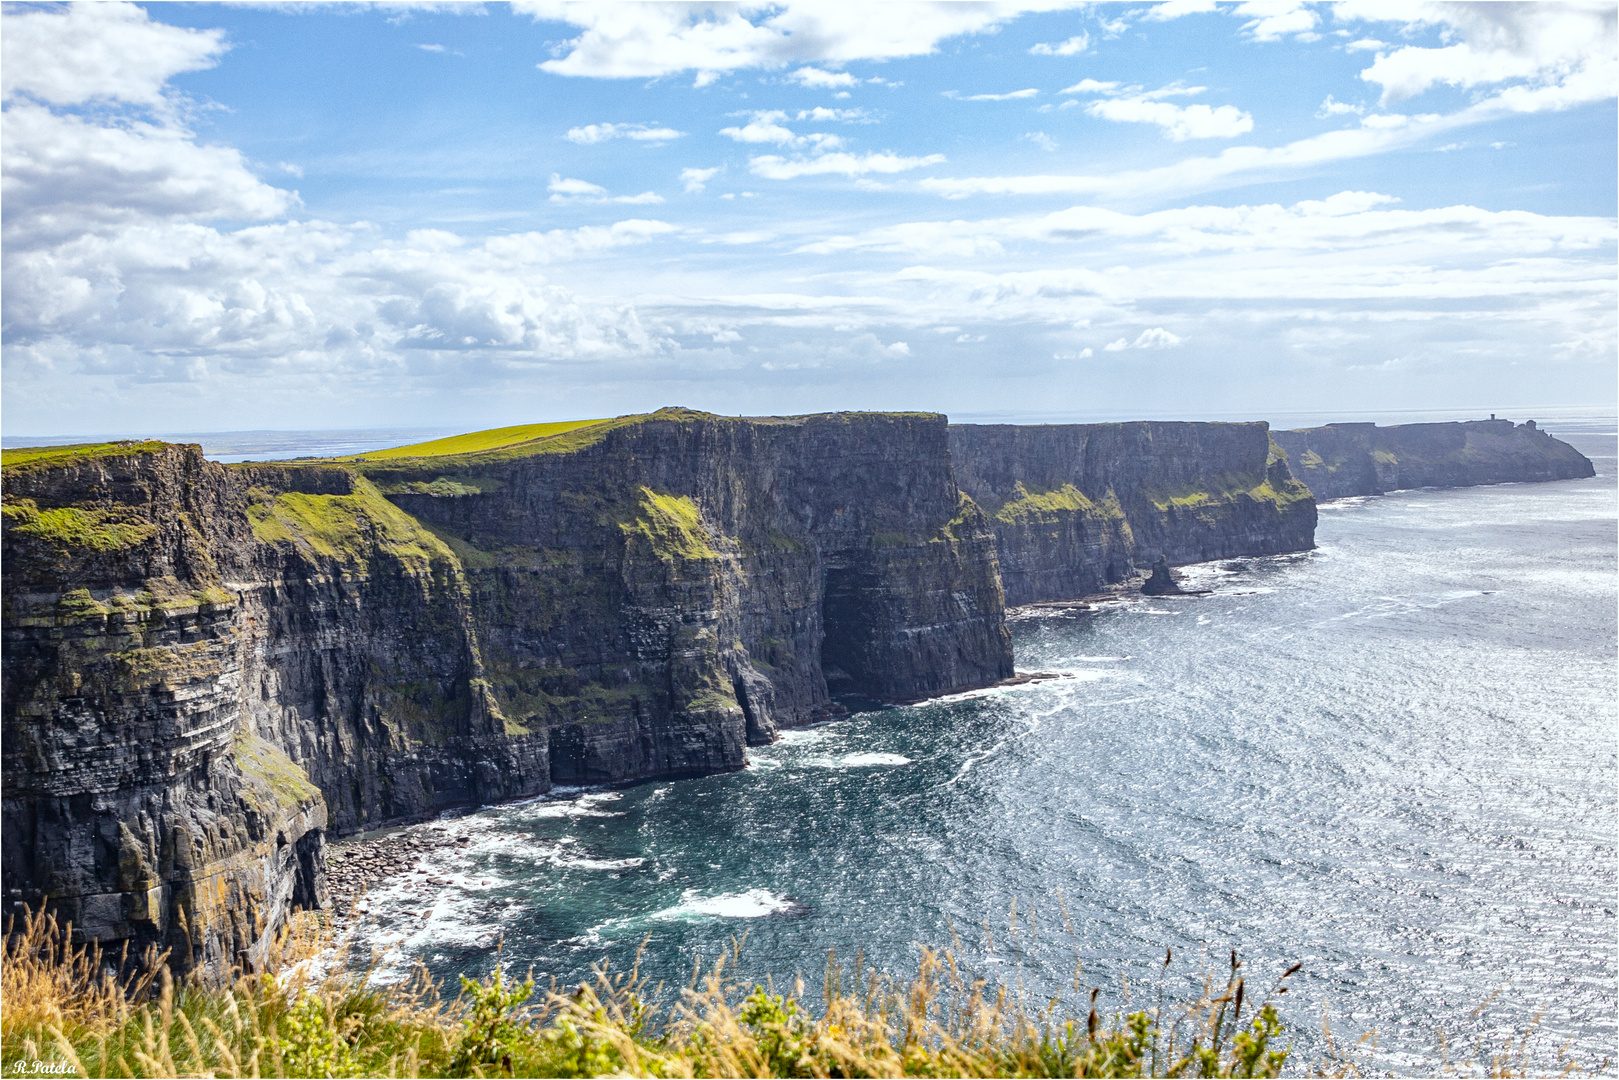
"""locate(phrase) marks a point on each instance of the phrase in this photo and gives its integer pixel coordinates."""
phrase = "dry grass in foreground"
(64, 1007)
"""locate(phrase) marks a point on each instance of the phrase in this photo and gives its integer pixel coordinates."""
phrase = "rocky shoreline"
(354, 864)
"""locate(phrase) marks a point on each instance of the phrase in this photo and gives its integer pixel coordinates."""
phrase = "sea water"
(1392, 760)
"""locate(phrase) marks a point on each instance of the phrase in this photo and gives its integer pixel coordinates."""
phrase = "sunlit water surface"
(1392, 759)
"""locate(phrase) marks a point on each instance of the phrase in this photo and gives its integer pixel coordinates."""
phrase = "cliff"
(1076, 507)
(1363, 459)
(208, 667)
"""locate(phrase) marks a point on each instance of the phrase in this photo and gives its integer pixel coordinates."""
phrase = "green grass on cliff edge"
(346, 527)
(84, 528)
(1027, 506)
(62, 455)
(672, 525)
(285, 778)
(479, 441)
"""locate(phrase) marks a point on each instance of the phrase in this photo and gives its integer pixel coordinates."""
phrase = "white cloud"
(565, 190)
(596, 133)
(696, 179)
(567, 187)
(1090, 86)
(642, 40)
(1567, 49)
(1076, 44)
(1329, 107)
(1347, 221)
(1244, 164)
(1174, 9)
(1366, 45)
(1271, 20)
(431, 48)
(113, 51)
(821, 114)
(1180, 122)
(1041, 139)
(64, 174)
(1156, 338)
(765, 127)
(777, 168)
(1014, 95)
(817, 79)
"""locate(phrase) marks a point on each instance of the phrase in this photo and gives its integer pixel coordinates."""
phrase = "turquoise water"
(1393, 760)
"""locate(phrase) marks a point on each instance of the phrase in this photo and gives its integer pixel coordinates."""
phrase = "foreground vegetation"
(63, 1007)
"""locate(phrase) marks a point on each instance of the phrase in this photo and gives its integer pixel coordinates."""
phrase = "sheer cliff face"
(135, 798)
(207, 667)
(739, 573)
(1075, 507)
(1363, 459)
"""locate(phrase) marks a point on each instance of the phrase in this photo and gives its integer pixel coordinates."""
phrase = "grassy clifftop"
(479, 441)
(64, 455)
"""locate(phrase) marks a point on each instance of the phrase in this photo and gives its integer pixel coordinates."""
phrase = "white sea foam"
(753, 904)
(857, 761)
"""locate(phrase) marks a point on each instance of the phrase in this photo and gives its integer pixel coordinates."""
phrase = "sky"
(283, 216)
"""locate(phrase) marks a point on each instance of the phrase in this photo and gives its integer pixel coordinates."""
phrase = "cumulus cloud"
(1180, 122)
(822, 114)
(1329, 107)
(817, 79)
(1076, 44)
(590, 134)
(642, 40)
(1272, 20)
(1155, 338)
(772, 167)
(63, 174)
(124, 257)
(566, 189)
(1175, 9)
(1544, 47)
(697, 179)
(111, 51)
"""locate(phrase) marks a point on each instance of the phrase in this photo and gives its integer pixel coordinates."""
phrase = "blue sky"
(231, 216)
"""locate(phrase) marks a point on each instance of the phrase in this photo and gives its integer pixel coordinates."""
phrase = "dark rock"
(1075, 507)
(1162, 583)
(1341, 460)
